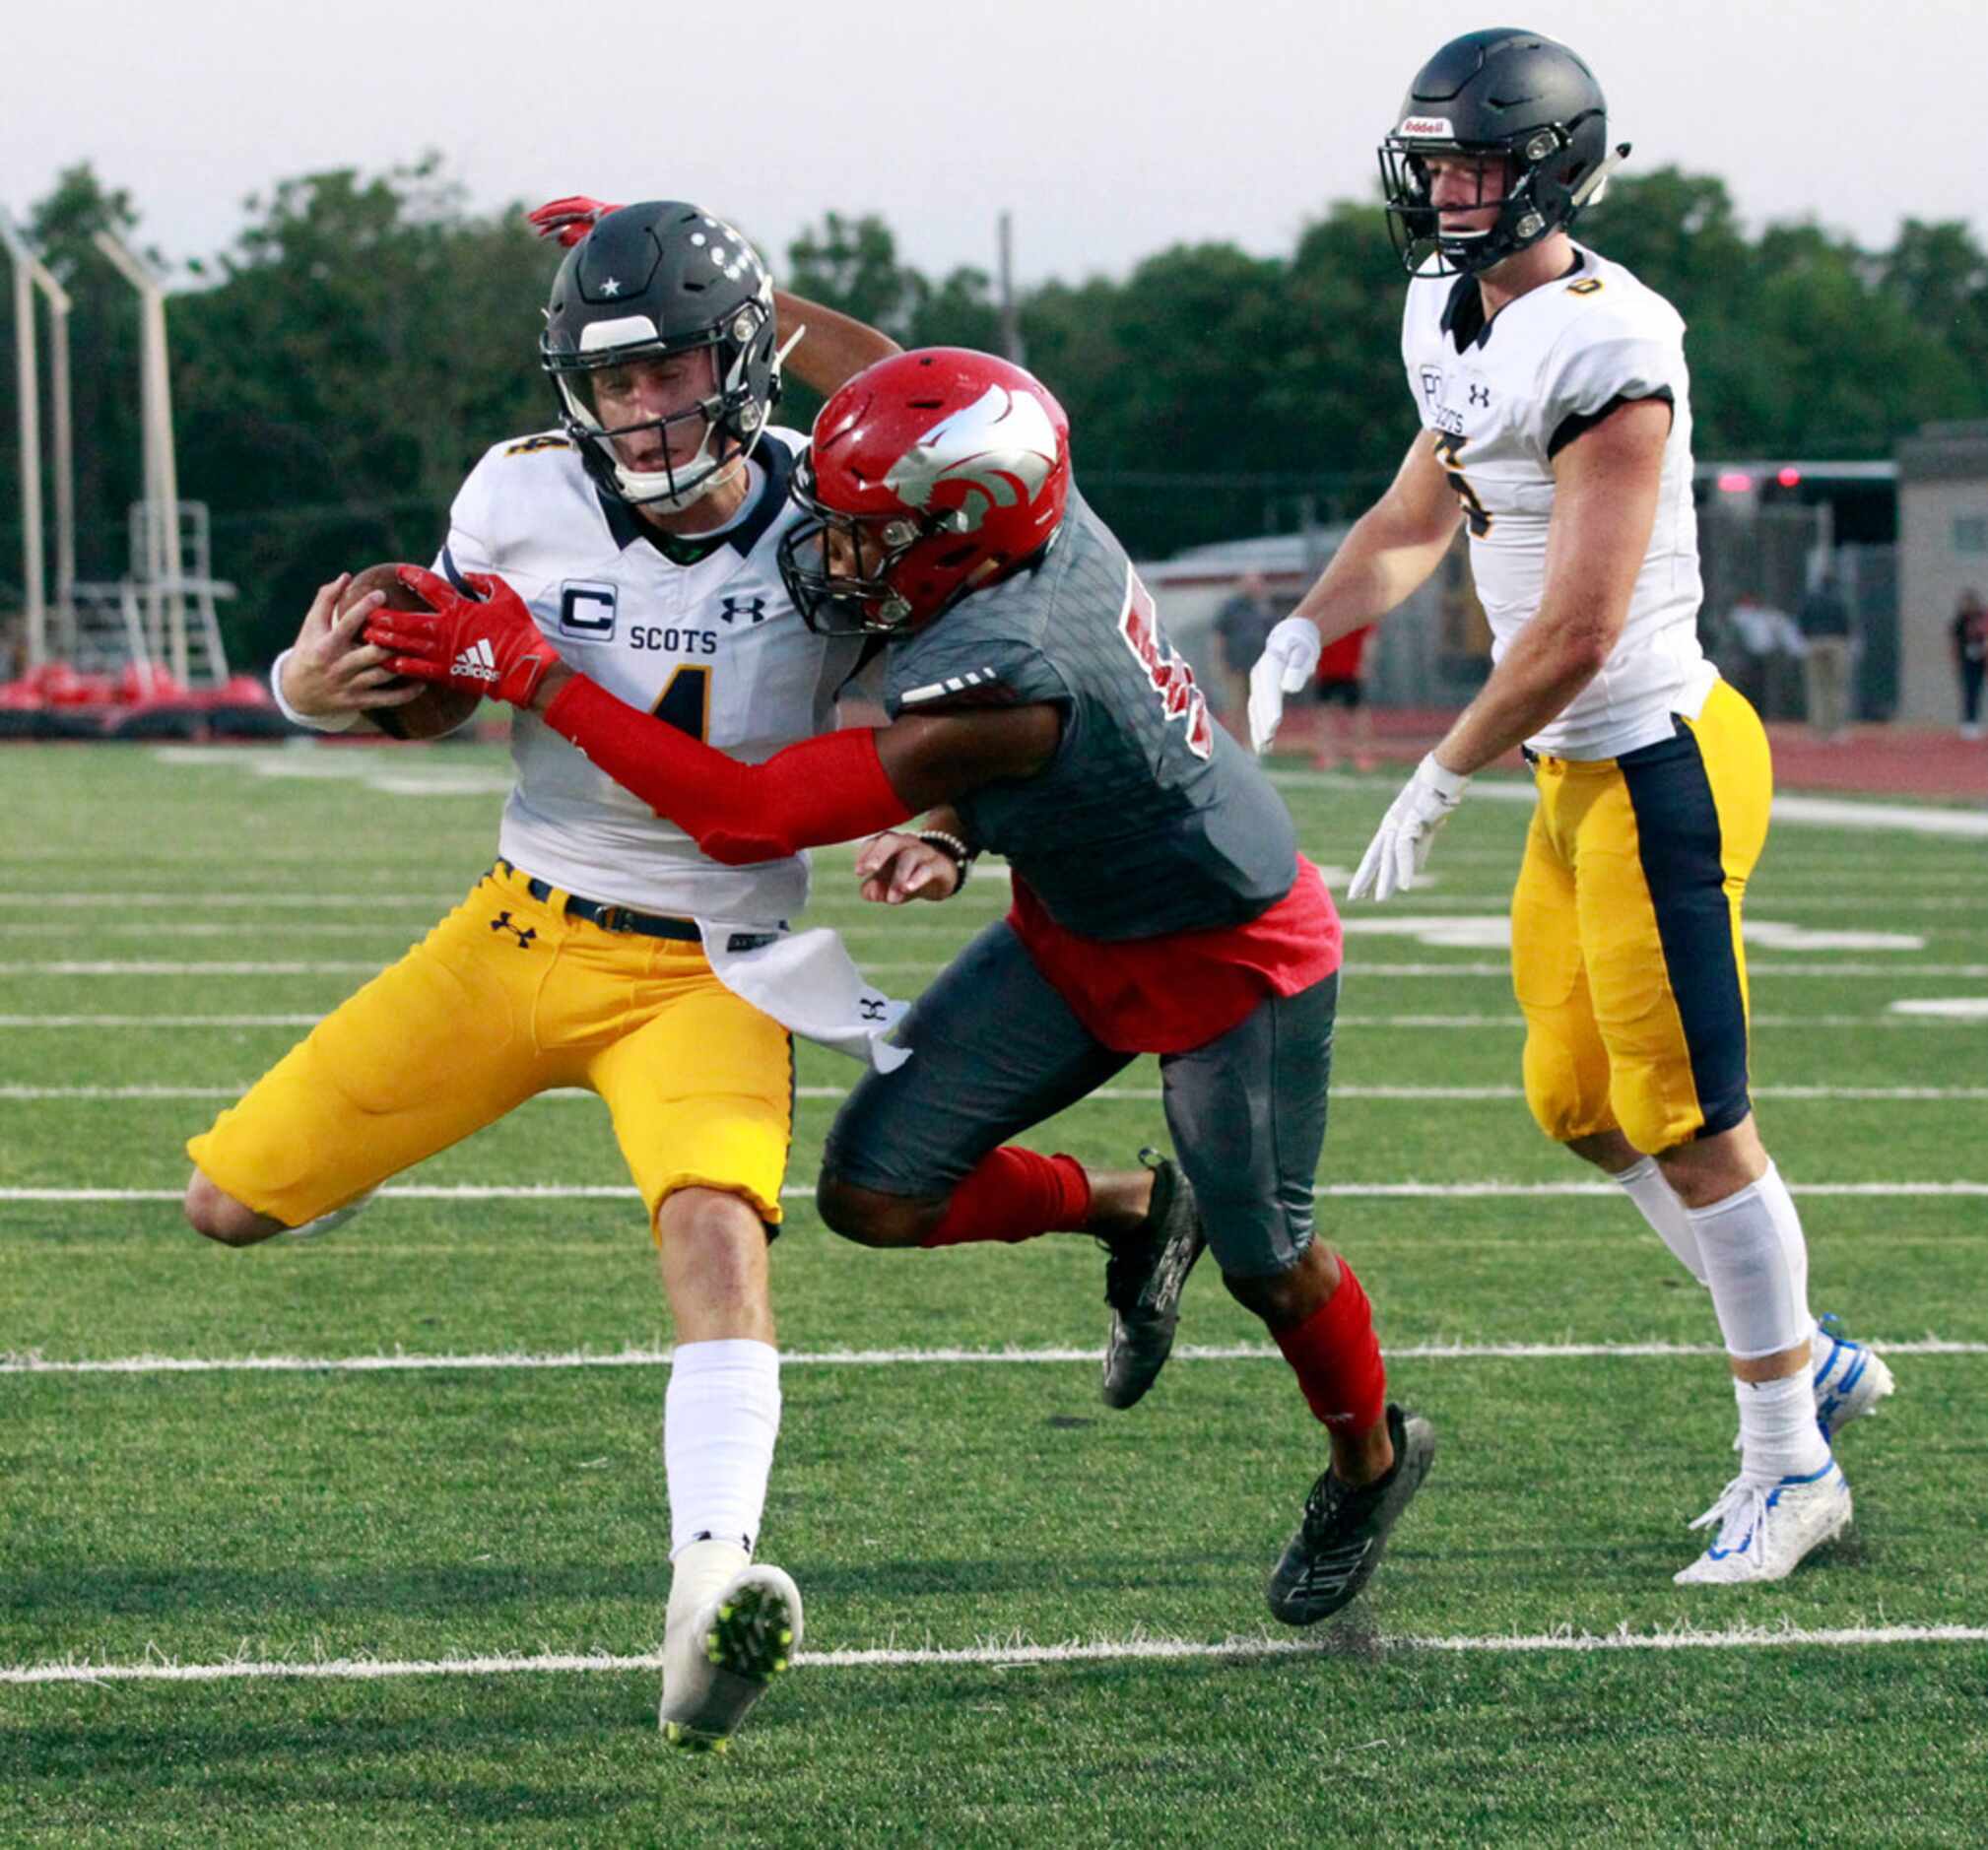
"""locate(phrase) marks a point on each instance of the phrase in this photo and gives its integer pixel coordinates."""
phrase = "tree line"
(338, 369)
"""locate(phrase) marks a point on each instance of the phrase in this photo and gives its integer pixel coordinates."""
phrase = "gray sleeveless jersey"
(1150, 818)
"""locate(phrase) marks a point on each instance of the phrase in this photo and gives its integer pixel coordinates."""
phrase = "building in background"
(1943, 551)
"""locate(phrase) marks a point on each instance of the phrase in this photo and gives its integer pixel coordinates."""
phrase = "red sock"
(1014, 1194)
(1335, 1357)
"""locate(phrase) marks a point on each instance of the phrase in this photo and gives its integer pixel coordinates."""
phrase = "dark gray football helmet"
(1498, 94)
(652, 280)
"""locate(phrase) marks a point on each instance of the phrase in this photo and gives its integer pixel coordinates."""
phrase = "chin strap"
(1591, 187)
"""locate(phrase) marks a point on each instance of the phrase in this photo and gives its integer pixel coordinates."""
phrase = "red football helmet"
(932, 473)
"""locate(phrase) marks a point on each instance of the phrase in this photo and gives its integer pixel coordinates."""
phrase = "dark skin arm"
(835, 347)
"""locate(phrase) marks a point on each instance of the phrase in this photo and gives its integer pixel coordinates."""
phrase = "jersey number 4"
(1448, 445)
(685, 704)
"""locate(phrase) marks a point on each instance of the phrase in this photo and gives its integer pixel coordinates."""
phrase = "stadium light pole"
(64, 458)
(61, 430)
(162, 471)
(28, 373)
(1011, 319)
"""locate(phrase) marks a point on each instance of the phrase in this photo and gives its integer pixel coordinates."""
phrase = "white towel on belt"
(808, 982)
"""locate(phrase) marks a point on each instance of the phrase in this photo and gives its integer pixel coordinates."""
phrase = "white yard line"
(1823, 812)
(404, 1363)
(195, 898)
(308, 1019)
(388, 923)
(1008, 1655)
(564, 1095)
(1337, 1191)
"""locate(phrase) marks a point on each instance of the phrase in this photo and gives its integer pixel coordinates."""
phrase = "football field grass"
(363, 1540)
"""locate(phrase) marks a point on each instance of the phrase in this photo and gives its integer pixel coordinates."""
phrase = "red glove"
(488, 644)
(569, 220)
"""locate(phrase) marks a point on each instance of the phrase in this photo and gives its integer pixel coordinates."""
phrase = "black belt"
(610, 919)
(623, 919)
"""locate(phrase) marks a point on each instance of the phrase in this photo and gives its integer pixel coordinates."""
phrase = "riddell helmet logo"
(1001, 448)
(1426, 128)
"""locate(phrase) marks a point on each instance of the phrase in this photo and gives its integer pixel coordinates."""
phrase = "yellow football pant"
(506, 998)
(1626, 932)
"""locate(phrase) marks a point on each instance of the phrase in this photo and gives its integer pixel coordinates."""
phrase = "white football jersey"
(715, 647)
(1499, 408)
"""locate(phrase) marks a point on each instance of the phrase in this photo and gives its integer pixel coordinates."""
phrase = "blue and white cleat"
(1849, 1380)
(722, 1661)
(1765, 1529)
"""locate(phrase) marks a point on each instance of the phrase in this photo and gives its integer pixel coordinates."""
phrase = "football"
(436, 710)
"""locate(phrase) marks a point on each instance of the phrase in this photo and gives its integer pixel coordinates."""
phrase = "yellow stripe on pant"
(506, 998)
(1626, 931)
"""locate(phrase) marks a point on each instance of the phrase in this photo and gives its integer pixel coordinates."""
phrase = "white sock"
(1757, 1264)
(720, 1418)
(1778, 1434)
(1643, 1182)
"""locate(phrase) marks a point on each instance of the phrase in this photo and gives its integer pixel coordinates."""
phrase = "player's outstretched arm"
(1393, 546)
(833, 788)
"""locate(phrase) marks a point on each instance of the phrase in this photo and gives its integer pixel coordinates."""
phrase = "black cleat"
(1339, 1543)
(1143, 1282)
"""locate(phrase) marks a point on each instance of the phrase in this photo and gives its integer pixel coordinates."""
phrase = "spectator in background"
(1241, 627)
(1970, 658)
(1825, 619)
(1348, 725)
(1758, 639)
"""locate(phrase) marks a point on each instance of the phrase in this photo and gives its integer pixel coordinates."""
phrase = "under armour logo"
(1480, 394)
(502, 923)
(731, 609)
(872, 1008)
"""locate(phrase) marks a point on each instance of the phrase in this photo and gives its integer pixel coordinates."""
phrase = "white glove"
(1288, 660)
(1400, 847)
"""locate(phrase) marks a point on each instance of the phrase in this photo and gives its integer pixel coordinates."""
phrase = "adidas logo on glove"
(476, 663)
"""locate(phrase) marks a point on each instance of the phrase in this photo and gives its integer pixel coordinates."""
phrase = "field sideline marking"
(1339, 1191)
(32, 1364)
(1826, 812)
(1097, 1651)
(1464, 1095)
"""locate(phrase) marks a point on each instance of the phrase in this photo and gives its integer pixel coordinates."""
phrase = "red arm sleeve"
(827, 789)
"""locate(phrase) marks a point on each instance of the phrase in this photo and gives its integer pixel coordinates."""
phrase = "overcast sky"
(1112, 128)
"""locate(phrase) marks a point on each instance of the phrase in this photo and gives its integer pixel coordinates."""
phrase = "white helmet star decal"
(610, 287)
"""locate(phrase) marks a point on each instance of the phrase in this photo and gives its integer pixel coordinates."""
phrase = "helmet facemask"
(732, 414)
(844, 571)
(1537, 200)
